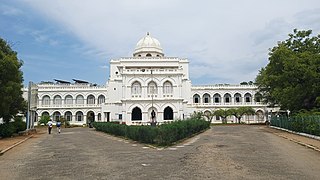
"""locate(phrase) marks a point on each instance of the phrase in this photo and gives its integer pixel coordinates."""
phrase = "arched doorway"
(168, 113)
(259, 116)
(136, 114)
(90, 117)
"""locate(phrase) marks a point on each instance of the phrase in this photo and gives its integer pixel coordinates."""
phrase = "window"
(167, 88)
(46, 101)
(227, 98)
(101, 99)
(68, 100)
(152, 88)
(56, 116)
(216, 98)
(247, 97)
(79, 116)
(90, 99)
(79, 99)
(68, 116)
(120, 116)
(196, 99)
(99, 116)
(57, 100)
(148, 55)
(237, 97)
(136, 88)
(206, 98)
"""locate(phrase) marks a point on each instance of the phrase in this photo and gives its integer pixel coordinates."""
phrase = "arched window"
(79, 116)
(168, 113)
(206, 98)
(45, 113)
(68, 116)
(46, 100)
(216, 98)
(79, 99)
(57, 100)
(227, 98)
(56, 116)
(248, 97)
(68, 100)
(148, 55)
(152, 88)
(167, 88)
(237, 98)
(136, 114)
(101, 99)
(136, 88)
(196, 99)
(90, 99)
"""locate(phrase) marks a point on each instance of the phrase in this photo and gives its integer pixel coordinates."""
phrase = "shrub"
(7, 129)
(19, 125)
(163, 135)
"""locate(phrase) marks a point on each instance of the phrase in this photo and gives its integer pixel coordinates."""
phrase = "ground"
(224, 152)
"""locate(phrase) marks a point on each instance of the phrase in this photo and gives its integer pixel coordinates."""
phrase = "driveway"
(224, 152)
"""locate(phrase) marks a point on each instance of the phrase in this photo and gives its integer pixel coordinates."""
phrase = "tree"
(223, 113)
(197, 115)
(209, 115)
(239, 112)
(292, 77)
(44, 120)
(11, 100)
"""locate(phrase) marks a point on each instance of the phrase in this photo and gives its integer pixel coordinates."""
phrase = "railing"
(302, 124)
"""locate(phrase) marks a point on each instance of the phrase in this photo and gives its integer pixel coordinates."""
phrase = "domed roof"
(148, 44)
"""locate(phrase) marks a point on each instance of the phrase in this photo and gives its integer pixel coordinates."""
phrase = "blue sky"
(226, 41)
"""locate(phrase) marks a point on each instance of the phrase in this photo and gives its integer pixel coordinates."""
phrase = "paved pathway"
(224, 152)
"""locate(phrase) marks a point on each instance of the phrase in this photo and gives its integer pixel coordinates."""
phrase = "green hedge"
(162, 135)
(304, 124)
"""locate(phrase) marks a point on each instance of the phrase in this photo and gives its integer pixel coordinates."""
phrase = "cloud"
(224, 40)
(9, 10)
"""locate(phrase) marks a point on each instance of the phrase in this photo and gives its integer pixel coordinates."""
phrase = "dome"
(148, 46)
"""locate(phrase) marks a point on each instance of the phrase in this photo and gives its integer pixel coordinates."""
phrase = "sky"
(225, 41)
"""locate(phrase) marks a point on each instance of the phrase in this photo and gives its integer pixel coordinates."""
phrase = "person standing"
(49, 126)
(59, 126)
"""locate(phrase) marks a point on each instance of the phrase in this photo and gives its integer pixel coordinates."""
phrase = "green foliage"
(162, 135)
(209, 115)
(11, 100)
(19, 125)
(7, 129)
(223, 113)
(197, 115)
(300, 123)
(44, 120)
(292, 77)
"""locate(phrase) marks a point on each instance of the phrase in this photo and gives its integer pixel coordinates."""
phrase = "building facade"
(147, 87)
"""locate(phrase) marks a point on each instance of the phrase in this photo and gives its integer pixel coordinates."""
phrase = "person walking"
(58, 126)
(49, 126)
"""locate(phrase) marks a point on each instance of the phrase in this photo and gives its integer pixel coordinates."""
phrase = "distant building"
(145, 87)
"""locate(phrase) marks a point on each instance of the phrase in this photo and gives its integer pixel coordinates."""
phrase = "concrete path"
(223, 152)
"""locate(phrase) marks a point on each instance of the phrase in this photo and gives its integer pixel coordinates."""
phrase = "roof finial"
(148, 33)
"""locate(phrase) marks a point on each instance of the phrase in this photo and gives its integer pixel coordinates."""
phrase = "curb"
(298, 142)
(14, 145)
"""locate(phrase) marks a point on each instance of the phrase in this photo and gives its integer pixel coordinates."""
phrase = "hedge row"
(304, 124)
(162, 135)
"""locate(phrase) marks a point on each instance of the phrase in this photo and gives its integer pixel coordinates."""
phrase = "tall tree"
(292, 77)
(11, 100)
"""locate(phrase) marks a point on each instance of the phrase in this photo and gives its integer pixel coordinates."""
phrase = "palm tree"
(239, 112)
(223, 113)
(209, 115)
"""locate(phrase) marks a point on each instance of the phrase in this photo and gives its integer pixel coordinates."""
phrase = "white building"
(147, 86)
